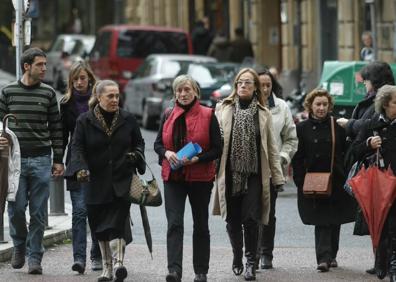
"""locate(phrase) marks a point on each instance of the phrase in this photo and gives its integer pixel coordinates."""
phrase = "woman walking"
(102, 141)
(75, 102)
(250, 156)
(188, 122)
(314, 154)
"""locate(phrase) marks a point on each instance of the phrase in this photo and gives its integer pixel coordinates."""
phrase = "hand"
(342, 122)
(57, 169)
(283, 161)
(172, 158)
(375, 142)
(279, 188)
(3, 143)
(132, 158)
(193, 160)
(83, 175)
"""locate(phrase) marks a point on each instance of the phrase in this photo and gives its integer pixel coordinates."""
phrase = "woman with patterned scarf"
(250, 156)
(103, 139)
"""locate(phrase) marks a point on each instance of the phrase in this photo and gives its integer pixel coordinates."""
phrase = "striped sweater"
(39, 126)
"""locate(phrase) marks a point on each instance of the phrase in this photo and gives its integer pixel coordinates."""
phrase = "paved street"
(294, 257)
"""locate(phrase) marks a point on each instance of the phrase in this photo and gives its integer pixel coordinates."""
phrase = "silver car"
(66, 49)
(151, 84)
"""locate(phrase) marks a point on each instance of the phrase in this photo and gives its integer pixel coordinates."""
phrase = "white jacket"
(284, 129)
(14, 165)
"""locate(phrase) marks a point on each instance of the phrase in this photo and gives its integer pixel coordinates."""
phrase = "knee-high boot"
(236, 239)
(107, 273)
(118, 250)
(250, 234)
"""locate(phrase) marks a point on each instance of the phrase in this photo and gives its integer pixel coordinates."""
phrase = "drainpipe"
(297, 30)
(373, 26)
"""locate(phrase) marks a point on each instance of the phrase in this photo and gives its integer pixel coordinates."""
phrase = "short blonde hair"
(98, 90)
(318, 92)
(183, 79)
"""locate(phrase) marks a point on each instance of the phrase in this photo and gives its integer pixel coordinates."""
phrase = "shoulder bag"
(145, 193)
(318, 184)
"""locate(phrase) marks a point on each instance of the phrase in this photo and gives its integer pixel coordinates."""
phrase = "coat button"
(314, 127)
(110, 162)
(384, 129)
(316, 155)
(315, 140)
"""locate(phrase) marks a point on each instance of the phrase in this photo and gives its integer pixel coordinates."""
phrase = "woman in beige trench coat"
(250, 156)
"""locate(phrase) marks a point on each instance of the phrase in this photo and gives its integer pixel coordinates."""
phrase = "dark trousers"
(327, 239)
(267, 232)
(175, 198)
(245, 210)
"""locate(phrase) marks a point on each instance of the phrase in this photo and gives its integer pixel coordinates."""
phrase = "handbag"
(318, 184)
(145, 193)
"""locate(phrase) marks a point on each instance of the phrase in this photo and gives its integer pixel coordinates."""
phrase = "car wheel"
(148, 121)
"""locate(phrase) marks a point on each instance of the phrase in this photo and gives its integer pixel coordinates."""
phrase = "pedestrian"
(220, 48)
(380, 133)
(286, 139)
(250, 156)
(367, 52)
(374, 76)
(241, 47)
(188, 121)
(75, 102)
(39, 132)
(102, 140)
(314, 155)
(201, 37)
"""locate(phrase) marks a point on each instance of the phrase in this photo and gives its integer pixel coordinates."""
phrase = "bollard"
(2, 241)
(47, 227)
(57, 196)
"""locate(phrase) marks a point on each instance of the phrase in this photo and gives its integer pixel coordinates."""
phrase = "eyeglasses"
(246, 82)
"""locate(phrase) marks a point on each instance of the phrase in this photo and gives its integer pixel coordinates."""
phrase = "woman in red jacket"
(188, 122)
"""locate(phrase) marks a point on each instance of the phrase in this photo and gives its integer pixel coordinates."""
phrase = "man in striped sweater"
(39, 132)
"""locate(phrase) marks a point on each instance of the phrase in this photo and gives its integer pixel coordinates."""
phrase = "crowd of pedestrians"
(248, 142)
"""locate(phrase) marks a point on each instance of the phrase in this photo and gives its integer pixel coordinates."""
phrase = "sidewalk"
(59, 229)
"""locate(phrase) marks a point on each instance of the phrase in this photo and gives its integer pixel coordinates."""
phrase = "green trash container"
(342, 80)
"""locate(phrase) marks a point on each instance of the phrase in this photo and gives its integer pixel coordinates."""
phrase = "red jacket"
(197, 126)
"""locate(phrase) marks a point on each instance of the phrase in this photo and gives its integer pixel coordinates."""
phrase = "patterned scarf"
(100, 118)
(244, 159)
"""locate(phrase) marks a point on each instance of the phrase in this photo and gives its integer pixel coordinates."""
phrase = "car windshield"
(141, 43)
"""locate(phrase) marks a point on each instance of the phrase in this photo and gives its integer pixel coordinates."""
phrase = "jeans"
(175, 199)
(79, 225)
(33, 190)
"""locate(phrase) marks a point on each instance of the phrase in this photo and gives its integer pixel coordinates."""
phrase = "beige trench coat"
(270, 160)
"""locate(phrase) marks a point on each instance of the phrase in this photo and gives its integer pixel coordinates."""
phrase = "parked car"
(5, 78)
(66, 49)
(120, 49)
(151, 84)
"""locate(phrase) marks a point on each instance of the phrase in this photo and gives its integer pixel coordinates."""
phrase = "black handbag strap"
(332, 143)
(144, 160)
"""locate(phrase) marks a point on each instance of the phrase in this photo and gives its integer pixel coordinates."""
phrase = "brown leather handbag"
(318, 184)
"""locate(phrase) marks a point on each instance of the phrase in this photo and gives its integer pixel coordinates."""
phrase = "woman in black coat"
(314, 155)
(74, 103)
(380, 133)
(102, 140)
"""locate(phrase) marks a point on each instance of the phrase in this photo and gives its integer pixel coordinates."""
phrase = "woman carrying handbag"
(314, 154)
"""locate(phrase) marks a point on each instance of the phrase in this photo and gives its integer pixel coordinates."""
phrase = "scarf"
(244, 159)
(81, 100)
(102, 121)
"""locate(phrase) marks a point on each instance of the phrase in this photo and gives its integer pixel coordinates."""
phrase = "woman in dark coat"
(380, 133)
(314, 155)
(74, 103)
(102, 140)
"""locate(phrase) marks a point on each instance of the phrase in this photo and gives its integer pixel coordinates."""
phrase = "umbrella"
(146, 227)
(4, 165)
(4, 172)
(375, 191)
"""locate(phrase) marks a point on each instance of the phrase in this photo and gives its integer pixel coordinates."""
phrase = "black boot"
(236, 239)
(250, 234)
